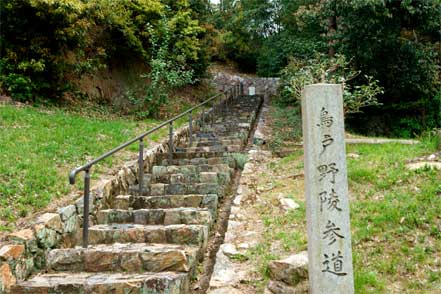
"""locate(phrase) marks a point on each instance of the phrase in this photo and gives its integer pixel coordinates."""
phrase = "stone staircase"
(152, 243)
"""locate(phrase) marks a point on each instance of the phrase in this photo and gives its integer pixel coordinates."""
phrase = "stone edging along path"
(148, 243)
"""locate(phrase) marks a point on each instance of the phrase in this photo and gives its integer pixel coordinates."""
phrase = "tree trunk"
(332, 28)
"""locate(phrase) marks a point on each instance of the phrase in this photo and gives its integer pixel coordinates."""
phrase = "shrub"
(45, 43)
(322, 69)
(241, 159)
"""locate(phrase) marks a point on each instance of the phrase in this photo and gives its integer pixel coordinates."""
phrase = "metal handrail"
(229, 94)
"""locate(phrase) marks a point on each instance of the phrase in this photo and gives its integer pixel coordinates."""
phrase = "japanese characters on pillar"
(326, 190)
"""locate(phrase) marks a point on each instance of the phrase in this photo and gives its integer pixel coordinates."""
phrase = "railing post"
(202, 118)
(226, 106)
(213, 105)
(141, 165)
(170, 142)
(190, 128)
(86, 208)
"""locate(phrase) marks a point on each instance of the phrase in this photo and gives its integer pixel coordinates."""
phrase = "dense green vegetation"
(45, 44)
(385, 52)
(396, 43)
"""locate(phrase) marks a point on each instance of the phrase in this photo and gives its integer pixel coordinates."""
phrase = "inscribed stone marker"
(326, 190)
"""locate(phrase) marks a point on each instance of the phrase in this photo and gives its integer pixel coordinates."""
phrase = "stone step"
(216, 148)
(205, 143)
(204, 173)
(221, 178)
(206, 137)
(103, 283)
(208, 201)
(203, 166)
(133, 233)
(134, 189)
(217, 142)
(186, 155)
(123, 257)
(159, 189)
(230, 161)
(160, 216)
(238, 129)
(151, 243)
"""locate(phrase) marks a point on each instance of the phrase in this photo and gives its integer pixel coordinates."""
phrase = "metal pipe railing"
(225, 100)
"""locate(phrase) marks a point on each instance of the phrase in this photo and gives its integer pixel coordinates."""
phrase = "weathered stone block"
(209, 188)
(22, 236)
(65, 260)
(158, 171)
(51, 221)
(6, 277)
(104, 188)
(72, 224)
(46, 237)
(277, 287)
(157, 189)
(24, 269)
(26, 237)
(177, 179)
(177, 189)
(67, 212)
(122, 201)
(175, 260)
(100, 261)
(208, 177)
(291, 270)
(109, 216)
(12, 251)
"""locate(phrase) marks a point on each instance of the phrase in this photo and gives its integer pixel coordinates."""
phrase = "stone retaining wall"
(223, 81)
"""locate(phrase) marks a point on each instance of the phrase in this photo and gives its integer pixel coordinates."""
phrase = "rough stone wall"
(23, 253)
(223, 81)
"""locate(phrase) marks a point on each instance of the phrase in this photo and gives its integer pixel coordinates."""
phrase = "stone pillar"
(326, 190)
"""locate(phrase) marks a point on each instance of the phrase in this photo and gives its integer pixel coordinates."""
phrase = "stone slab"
(326, 189)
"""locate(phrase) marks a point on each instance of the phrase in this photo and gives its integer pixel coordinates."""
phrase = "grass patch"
(40, 145)
(286, 125)
(395, 217)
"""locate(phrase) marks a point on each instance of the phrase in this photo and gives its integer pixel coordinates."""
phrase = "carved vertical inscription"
(326, 190)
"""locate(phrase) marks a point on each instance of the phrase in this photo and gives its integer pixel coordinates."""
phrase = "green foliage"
(322, 69)
(397, 42)
(47, 43)
(241, 159)
(20, 87)
(165, 73)
(286, 121)
(394, 43)
(276, 51)
(261, 34)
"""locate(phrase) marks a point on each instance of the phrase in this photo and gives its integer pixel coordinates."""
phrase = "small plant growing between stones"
(239, 257)
(241, 159)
